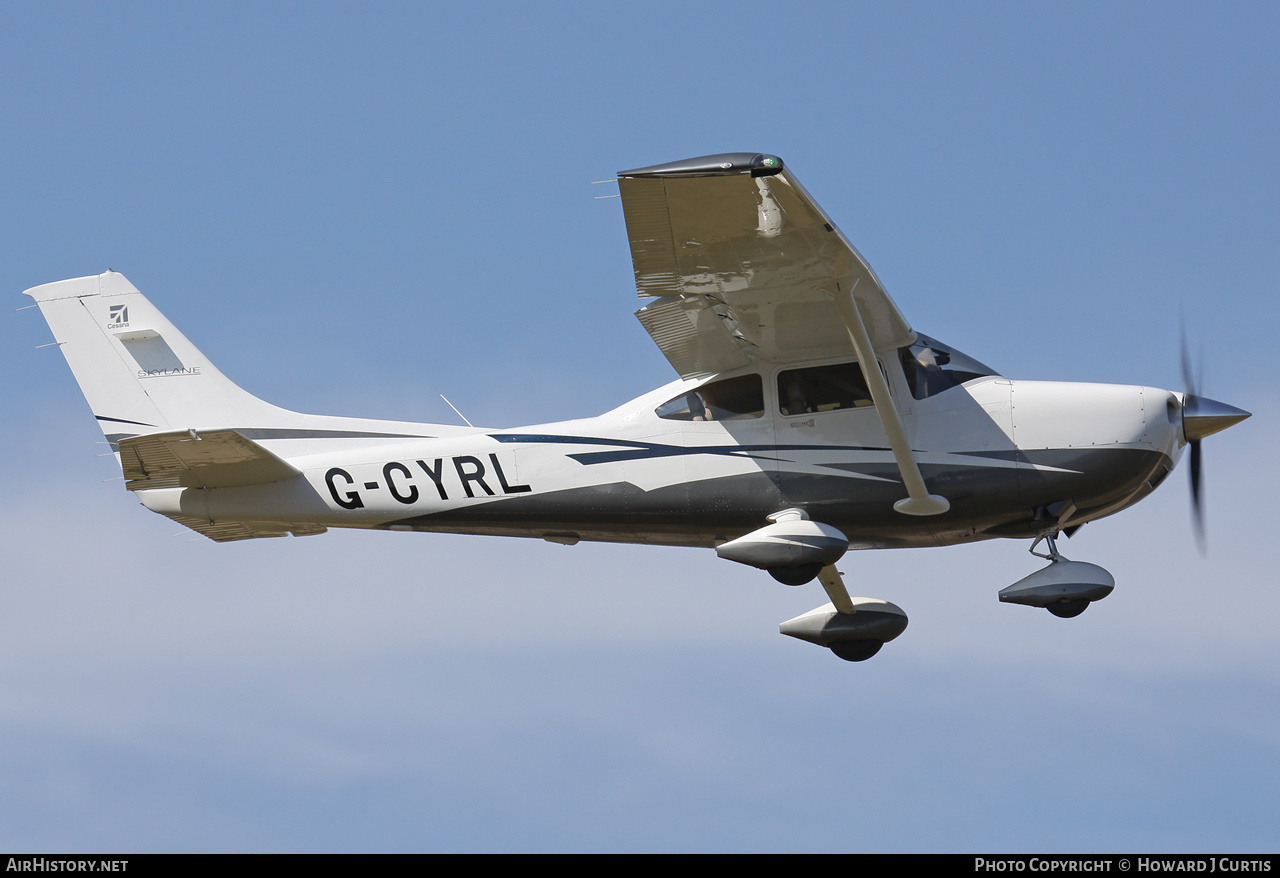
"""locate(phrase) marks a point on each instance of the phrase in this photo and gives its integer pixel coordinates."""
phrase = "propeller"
(1201, 417)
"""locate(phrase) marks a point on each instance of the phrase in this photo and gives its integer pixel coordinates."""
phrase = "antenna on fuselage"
(458, 413)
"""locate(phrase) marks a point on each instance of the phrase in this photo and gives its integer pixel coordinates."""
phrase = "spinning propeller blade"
(1201, 417)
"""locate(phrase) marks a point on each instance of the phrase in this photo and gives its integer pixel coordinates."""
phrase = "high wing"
(744, 266)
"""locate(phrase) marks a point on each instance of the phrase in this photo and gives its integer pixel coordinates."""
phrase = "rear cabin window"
(822, 389)
(730, 399)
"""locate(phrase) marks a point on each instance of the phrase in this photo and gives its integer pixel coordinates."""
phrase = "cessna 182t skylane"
(809, 418)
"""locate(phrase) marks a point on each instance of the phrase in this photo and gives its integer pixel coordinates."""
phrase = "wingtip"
(757, 164)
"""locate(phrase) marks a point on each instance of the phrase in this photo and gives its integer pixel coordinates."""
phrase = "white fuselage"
(1014, 458)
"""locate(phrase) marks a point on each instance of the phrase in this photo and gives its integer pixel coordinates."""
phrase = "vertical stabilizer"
(137, 371)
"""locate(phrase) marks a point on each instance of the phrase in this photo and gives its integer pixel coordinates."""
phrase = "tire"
(795, 575)
(1068, 609)
(856, 650)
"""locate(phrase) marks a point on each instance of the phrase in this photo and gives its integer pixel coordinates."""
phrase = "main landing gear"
(1064, 588)
(852, 628)
(795, 550)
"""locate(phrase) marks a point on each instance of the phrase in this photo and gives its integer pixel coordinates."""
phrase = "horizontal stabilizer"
(230, 531)
(209, 459)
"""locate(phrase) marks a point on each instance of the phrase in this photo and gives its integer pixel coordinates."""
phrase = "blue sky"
(353, 208)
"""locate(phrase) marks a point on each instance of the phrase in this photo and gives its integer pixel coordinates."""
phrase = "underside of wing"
(742, 266)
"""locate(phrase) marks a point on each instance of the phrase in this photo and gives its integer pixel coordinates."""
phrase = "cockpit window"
(931, 367)
(730, 399)
(822, 389)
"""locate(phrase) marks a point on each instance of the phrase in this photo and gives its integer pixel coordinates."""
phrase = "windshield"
(932, 367)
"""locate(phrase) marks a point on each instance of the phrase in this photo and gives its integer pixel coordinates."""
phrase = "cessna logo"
(117, 316)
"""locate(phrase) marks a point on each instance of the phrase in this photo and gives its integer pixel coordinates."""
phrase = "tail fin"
(138, 372)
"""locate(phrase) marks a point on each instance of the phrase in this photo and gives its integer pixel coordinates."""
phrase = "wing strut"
(919, 501)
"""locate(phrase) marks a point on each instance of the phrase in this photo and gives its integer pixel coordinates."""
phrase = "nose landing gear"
(1064, 588)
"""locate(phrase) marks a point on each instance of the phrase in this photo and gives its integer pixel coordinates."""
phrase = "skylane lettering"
(464, 474)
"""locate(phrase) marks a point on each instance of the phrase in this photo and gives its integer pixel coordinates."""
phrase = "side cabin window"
(729, 399)
(822, 389)
(931, 367)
